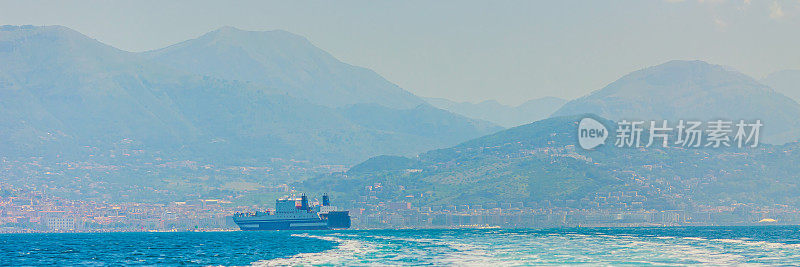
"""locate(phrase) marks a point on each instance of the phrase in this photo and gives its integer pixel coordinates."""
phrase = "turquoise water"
(639, 246)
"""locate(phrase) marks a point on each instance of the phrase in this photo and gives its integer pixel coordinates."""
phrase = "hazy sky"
(511, 51)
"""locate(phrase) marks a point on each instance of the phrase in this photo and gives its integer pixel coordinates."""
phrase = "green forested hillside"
(539, 163)
(64, 95)
(693, 90)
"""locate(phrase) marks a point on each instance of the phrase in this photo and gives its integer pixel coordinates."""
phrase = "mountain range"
(503, 115)
(540, 165)
(693, 90)
(286, 62)
(234, 97)
(227, 96)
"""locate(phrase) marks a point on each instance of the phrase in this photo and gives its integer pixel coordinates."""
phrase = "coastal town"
(135, 190)
(60, 203)
(30, 211)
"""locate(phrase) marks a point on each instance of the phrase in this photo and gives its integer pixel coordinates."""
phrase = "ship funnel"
(326, 201)
(304, 202)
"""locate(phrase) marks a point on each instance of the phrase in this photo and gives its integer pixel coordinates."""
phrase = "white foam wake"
(387, 248)
(345, 252)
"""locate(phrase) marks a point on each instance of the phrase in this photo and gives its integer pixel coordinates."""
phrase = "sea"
(671, 246)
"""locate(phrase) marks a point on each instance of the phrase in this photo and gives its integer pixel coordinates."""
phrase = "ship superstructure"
(292, 213)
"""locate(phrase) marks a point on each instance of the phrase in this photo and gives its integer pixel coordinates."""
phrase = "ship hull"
(254, 224)
(334, 220)
(295, 214)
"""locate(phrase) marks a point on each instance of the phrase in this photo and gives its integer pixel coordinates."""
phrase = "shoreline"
(411, 228)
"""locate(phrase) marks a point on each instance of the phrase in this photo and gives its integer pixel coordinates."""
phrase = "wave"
(345, 251)
(469, 248)
(758, 243)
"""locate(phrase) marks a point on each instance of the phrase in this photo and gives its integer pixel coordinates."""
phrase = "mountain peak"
(12, 32)
(227, 28)
(683, 69)
(684, 62)
(55, 47)
(29, 37)
(702, 65)
(28, 27)
(233, 35)
(225, 31)
(283, 60)
(692, 90)
(62, 91)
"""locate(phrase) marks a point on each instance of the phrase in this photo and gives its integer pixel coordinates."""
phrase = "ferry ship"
(293, 213)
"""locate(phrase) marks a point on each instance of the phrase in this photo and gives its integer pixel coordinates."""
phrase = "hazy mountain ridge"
(67, 88)
(423, 120)
(284, 61)
(539, 163)
(786, 82)
(62, 91)
(503, 115)
(693, 90)
(59, 102)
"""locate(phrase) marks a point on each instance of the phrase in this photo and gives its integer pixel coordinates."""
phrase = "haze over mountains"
(693, 90)
(229, 96)
(786, 82)
(539, 164)
(240, 97)
(284, 61)
(503, 115)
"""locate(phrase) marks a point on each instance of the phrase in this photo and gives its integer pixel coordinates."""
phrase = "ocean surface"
(768, 245)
